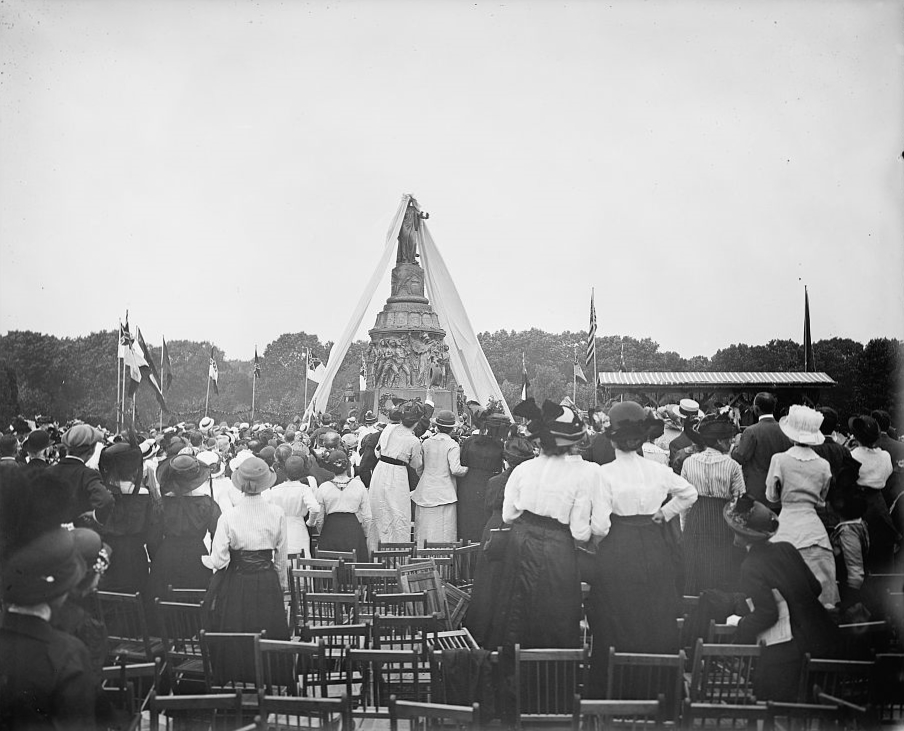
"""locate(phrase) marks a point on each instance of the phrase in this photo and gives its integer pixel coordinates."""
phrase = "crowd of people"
(786, 518)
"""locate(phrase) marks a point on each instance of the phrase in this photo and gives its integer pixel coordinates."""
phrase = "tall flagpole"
(161, 381)
(122, 402)
(207, 398)
(574, 377)
(596, 379)
(253, 390)
(118, 375)
(307, 362)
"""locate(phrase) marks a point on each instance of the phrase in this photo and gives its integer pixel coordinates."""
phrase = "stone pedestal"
(407, 352)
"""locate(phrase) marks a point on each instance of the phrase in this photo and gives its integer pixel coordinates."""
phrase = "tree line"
(66, 378)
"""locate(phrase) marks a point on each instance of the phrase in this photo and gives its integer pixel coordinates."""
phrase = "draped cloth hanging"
(466, 358)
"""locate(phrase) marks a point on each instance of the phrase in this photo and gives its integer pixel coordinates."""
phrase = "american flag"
(591, 335)
(257, 364)
(213, 373)
(362, 375)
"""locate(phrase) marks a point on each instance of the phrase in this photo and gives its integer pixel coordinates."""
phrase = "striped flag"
(578, 371)
(257, 365)
(125, 338)
(525, 384)
(166, 367)
(591, 335)
(362, 375)
(149, 370)
(213, 373)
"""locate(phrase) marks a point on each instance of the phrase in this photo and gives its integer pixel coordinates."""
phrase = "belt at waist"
(251, 561)
(635, 521)
(393, 461)
(543, 521)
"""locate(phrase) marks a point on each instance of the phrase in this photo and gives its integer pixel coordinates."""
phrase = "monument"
(407, 352)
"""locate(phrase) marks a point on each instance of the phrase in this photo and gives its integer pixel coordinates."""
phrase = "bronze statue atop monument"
(407, 353)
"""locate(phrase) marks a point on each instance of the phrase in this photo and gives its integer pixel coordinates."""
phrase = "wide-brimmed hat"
(149, 448)
(802, 424)
(369, 418)
(47, 567)
(750, 519)
(253, 476)
(716, 426)
(554, 424)
(38, 439)
(865, 429)
(182, 474)
(411, 413)
(205, 423)
(445, 418)
(236, 461)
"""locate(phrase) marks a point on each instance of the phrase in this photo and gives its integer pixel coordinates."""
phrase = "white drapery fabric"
(466, 358)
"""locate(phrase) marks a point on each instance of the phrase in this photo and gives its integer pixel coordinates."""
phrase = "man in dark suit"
(895, 448)
(758, 443)
(783, 595)
(89, 500)
(36, 446)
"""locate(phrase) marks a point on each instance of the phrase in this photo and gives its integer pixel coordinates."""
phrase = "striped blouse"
(714, 474)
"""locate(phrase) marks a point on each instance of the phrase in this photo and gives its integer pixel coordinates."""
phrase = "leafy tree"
(880, 368)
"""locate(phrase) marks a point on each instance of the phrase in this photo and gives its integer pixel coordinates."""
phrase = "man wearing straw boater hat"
(783, 610)
(435, 495)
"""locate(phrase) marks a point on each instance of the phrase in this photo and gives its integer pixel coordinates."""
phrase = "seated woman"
(549, 501)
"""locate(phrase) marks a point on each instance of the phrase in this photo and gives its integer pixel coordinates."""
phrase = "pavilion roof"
(715, 379)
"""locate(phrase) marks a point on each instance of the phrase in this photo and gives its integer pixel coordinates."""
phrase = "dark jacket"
(754, 453)
(86, 490)
(45, 677)
(779, 566)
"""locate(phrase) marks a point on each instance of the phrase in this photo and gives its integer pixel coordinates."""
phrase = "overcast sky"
(227, 170)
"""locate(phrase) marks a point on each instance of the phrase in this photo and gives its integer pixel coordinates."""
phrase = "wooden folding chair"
(316, 563)
(720, 634)
(337, 640)
(802, 717)
(846, 679)
(126, 688)
(368, 582)
(445, 544)
(292, 668)
(723, 673)
(285, 713)
(341, 555)
(215, 711)
(453, 639)
(409, 546)
(399, 604)
(432, 716)
(639, 676)
(424, 577)
(392, 558)
(302, 581)
(546, 683)
(127, 629)
(180, 626)
(400, 632)
(596, 715)
(184, 596)
(464, 565)
(464, 681)
(750, 716)
(383, 673)
(231, 661)
(318, 608)
(346, 573)
(457, 602)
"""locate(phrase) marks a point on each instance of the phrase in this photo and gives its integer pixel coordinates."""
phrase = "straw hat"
(802, 424)
(445, 418)
(253, 476)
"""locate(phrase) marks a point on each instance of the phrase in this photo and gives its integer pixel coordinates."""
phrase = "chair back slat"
(429, 716)
(282, 713)
(640, 676)
(724, 673)
(383, 673)
(124, 619)
(334, 608)
(214, 711)
(292, 668)
(546, 683)
(625, 715)
(231, 661)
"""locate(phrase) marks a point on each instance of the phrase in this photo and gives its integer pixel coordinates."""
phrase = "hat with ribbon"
(369, 418)
(554, 424)
(445, 418)
(337, 462)
(205, 423)
(716, 426)
(182, 474)
(630, 420)
(253, 476)
(802, 424)
(751, 519)
(42, 570)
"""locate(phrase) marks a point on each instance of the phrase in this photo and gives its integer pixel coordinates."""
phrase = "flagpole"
(122, 403)
(207, 398)
(161, 382)
(253, 389)
(574, 377)
(595, 370)
(118, 386)
(307, 363)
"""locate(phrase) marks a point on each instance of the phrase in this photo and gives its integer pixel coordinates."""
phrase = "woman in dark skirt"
(711, 560)
(131, 522)
(189, 514)
(482, 455)
(249, 557)
(633, 602)
(344, 517)
(548, 501)
(488, 573)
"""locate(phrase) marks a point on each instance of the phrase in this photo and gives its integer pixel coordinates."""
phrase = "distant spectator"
(757, 445)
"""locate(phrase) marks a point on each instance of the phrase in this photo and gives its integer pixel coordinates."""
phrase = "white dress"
(390, 501)
(297, 499)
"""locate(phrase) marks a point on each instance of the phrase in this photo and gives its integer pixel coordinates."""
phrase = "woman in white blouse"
(344, 509)
(633, 603)
(549, 503)
(296, 498)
